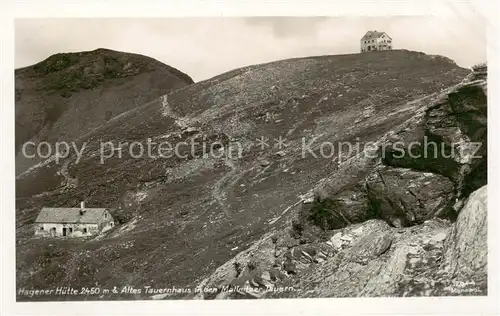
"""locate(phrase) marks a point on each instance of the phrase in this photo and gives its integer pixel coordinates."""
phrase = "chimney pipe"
(82, 207)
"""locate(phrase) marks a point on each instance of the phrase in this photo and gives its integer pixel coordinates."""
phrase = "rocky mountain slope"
(67, 95)
(287, 214)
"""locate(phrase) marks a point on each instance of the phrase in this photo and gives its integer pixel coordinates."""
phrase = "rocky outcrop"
(467, 250)
(425, 168)
(449, 139)
(367, 259)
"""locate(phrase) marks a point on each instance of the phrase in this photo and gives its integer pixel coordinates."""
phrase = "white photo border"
(10, 10)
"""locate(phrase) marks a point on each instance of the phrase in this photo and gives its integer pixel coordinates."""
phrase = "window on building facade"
(85, 230)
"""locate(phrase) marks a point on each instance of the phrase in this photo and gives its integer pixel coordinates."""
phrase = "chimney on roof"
(82, 207)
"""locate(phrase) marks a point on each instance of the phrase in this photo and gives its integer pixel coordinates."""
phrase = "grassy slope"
(68, 95)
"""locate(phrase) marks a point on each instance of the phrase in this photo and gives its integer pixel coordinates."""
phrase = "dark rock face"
(452, 137)
(273, 216)
(404, 197)
(68, 95)
(480, 72)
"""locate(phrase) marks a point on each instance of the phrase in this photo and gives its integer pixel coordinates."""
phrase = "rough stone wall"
(77, 229)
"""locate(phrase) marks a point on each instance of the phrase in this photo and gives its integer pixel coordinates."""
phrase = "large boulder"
(466, 252)
(435, 258)
(404, 197)
(68, 95)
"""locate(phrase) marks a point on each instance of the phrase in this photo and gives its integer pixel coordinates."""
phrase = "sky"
(204, 47)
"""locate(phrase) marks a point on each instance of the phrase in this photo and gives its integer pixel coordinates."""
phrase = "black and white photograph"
(246, 157)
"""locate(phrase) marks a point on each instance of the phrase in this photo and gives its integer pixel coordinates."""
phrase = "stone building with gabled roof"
(72, 222)
(375, 41)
